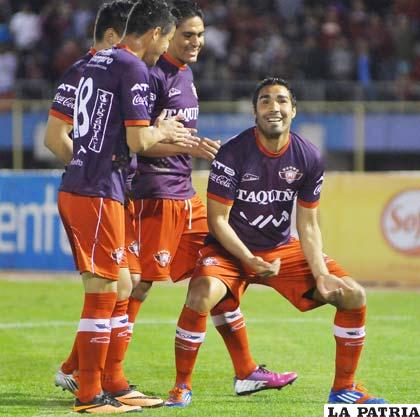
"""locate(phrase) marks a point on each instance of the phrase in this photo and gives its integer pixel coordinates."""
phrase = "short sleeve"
(64, 98)
(310, 192)
(135, 95)
(224, 177)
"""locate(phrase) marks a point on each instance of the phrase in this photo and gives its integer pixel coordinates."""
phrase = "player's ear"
(293, 112)
(111, 37)
(156, 33)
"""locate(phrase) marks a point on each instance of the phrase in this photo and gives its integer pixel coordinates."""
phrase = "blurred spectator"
(25, 27)
(8, 65)
(347, 40)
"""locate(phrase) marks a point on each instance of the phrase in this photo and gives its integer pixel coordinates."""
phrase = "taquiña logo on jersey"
(290, 174)
(264, 197)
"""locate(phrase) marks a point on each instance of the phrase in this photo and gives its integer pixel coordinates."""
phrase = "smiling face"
(274, 111)
(188, 40)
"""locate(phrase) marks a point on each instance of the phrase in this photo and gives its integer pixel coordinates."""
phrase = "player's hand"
(206, 149)
(263, 268)
(175, 132)
(331, 288)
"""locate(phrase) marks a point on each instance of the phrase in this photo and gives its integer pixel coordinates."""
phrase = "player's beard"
(269, 134)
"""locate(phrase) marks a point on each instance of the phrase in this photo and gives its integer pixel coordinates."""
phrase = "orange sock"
(72, 362)
(190, 334)
(113, 379)
(349, 333)
(92, 342)
(231, 326)
(132, 310)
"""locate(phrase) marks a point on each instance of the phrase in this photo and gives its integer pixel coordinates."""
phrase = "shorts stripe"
(96, 235)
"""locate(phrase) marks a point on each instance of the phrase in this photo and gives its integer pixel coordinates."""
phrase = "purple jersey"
(172, 88)
(261, 186)
(63, 103)
(113, 93)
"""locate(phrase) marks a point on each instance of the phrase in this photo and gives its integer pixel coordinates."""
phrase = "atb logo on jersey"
(140, 87)
(262, 221)
(117, 255)
(67, 87)
(163, 258)
(219, 165)
(401, 222)
(290, 174)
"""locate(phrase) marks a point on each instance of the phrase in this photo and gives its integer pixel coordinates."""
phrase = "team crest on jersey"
(163, 257)
(209, 261)
(134, 248)
(117, 255)
(290, 174)
(194, 90)
(174, 92)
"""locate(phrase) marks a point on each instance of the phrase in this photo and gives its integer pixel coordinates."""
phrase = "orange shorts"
(171, 234)
(95, 228)
(293, 281)
(132, 247)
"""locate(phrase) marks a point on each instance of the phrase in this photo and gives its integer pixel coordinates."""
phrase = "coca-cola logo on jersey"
(64, 101)
(221, 180)
(400, 222)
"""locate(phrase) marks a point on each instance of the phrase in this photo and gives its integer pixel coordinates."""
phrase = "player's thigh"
(159, 225)
(97, 228)
(216, 262)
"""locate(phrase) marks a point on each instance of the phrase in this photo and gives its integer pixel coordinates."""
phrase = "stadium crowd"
(341, 40)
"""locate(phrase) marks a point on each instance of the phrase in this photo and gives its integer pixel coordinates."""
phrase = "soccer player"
(264, 169)
(171, 217)
(109, 28)
(110, 119)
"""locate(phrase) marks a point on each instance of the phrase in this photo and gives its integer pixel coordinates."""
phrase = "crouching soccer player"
(266, 167)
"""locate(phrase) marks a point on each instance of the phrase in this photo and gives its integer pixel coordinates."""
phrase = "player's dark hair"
(150, 14)
(273, 81)
(184, 9)
(113, 15)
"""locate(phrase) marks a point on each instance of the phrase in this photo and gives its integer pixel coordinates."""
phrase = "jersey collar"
(169, 58)
(92, 51)
(126, 47)
(265, 151)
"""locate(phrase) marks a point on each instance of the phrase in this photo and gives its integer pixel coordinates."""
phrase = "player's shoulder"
(241, 141)
(74, 72)
(305, 146)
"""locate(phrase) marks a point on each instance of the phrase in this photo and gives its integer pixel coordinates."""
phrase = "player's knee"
(204, 293)
(355, 297)
(141, 290)
(135, 279)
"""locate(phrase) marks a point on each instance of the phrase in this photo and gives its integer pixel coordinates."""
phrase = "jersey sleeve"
(135, 95)
(310, 193)
(155, 92)
(64, 98)
(224, 178)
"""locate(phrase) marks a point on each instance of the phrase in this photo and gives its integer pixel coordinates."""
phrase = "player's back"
(63, 103)
(172, 89)
(112, 94)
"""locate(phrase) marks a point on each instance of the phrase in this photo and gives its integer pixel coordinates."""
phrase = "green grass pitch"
(38, 320)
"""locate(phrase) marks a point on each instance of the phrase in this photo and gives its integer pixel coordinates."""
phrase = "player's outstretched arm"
(57, 139)
(169, 131)
(219, 227)
(329, 286)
